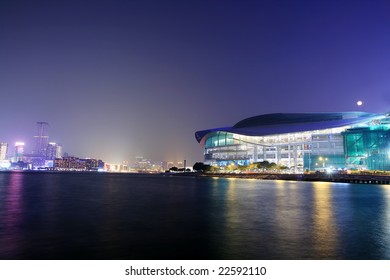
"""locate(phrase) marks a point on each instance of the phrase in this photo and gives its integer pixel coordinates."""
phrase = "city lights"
(48, 155)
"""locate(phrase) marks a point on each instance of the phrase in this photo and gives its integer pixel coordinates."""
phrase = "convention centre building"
(302, 141)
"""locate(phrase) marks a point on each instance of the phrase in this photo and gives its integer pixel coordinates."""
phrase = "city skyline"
(117, 79)
(38, 144)
(42, 145)
(45, 154)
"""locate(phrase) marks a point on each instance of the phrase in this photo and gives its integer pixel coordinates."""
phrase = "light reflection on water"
(111, 216)
(385, 222)
(324, 229)
(11, 215)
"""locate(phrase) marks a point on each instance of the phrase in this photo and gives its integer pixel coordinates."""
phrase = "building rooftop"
(279, 123)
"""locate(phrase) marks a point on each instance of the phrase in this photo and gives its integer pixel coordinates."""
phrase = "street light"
(323, 160)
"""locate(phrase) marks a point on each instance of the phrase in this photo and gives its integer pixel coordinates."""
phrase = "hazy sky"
(117, 79)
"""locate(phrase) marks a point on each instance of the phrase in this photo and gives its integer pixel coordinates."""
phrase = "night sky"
(119, 79)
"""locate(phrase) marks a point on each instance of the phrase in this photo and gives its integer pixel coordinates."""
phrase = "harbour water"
(129, 216)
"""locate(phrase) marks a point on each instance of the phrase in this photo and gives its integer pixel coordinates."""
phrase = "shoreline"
(319, 177)
(333, 178)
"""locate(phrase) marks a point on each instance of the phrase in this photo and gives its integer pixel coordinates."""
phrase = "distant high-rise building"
(53, 151)
(3, 150)
(41, 138)
(19, 151)
(59, 151)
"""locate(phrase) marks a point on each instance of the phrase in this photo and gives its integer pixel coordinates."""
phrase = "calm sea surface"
(115, 216)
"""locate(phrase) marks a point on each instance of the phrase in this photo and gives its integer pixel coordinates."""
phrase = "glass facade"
(368, 147)
(224, 148)
(363, 146)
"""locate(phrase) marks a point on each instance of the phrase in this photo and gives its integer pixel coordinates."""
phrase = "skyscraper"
(41, 138)
(3, 150)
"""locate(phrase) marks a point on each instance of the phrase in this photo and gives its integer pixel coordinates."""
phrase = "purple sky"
(117, 79)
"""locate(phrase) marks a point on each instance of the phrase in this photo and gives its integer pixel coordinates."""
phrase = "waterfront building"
(34, 161)
(41, 138)
(302, 141)
(93, 164)
(123, 168)
(3, 150)
(141, 164)
(112, 167)
(145, 165)
(109, 167)
(71, 163)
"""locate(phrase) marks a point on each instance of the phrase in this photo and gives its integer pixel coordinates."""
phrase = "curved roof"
(279, 123)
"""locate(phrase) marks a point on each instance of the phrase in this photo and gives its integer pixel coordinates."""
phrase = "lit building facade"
(3, 150)
(368, 146)
(145, 165)
(74, 163)
(303, 141)
(53, 151)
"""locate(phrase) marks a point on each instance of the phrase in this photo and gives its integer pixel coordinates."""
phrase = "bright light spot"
(5, 164)
(359, 103)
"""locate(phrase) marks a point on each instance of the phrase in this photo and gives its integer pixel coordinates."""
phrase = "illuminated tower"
(19, 151)
(41, 138)
(3, 150)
